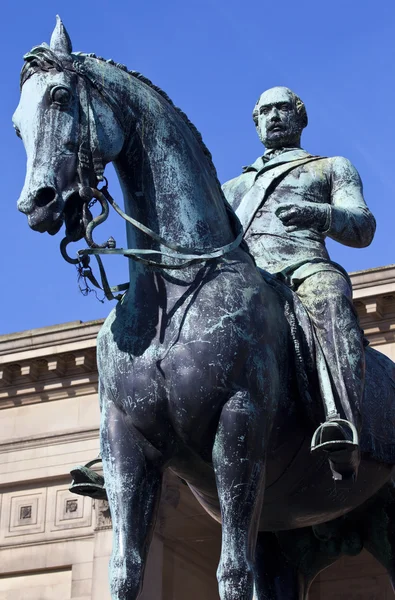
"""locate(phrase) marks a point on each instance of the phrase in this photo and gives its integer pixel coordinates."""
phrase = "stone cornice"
(9, 545)
(51, 439)
(371, 282)
(50, 377)
(50, 363)
(46, 341)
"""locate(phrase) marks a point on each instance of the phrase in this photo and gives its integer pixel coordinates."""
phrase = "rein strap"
(188, 256)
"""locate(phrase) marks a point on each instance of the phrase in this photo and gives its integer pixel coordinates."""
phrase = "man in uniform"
(288, 202)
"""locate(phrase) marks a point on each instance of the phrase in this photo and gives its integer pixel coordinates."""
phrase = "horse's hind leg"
(275, 577)
(238, 459)
(378, 525)
(133, 488)
(286, 563)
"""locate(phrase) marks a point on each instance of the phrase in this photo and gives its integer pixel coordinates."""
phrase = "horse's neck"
(171, 176)
(168, 182)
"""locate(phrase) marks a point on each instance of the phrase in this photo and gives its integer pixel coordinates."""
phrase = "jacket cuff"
(328, 221)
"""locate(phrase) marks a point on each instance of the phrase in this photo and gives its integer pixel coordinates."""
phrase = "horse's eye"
(60, 95)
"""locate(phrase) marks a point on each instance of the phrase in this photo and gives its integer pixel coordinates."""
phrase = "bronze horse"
(196, 363)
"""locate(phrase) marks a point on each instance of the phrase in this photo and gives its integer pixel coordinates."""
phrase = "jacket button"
(259, 213)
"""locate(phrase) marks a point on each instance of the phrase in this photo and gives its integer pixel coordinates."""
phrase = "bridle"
(91, 165)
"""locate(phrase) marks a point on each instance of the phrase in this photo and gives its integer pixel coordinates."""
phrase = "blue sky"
(213, 58)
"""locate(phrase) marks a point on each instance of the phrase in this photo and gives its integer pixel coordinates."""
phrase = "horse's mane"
(42, 58)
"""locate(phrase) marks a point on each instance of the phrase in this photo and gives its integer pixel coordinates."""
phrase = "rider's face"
(278, 120)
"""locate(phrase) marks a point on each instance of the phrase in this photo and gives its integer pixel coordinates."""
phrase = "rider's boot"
(338, 438)
(87, 482)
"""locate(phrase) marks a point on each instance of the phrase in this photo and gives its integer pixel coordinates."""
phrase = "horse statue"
(196, 360)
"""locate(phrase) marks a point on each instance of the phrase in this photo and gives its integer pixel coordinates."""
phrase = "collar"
(286, 155)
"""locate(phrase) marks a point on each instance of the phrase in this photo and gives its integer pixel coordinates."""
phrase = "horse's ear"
(60, 39)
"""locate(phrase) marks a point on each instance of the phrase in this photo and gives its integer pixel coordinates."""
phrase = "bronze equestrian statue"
(207, 365)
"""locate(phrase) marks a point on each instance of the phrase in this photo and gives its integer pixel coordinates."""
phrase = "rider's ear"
(60, 39)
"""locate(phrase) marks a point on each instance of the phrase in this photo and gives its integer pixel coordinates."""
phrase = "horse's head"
(70, 128)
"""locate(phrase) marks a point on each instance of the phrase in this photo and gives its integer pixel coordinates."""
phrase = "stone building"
(54, 544)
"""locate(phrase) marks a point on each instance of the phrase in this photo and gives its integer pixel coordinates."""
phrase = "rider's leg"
(133, 487)
(327, 297)
(239, 465)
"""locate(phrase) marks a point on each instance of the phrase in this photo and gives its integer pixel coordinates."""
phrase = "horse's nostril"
(45, 196)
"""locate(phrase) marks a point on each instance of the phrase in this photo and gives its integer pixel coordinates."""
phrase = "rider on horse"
(288, 202)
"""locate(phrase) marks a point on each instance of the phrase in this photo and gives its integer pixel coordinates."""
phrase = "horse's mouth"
(72, 215)
(44, 222)
(47, 220)
(55, 226)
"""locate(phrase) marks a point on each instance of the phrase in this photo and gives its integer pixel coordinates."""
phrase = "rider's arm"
(236, 188)
(351, 222)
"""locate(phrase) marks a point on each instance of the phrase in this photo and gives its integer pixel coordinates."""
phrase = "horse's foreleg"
(133, 487)
(238, 459)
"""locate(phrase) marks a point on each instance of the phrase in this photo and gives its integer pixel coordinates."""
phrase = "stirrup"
(329, 429)
(343, 454)
(86, 482)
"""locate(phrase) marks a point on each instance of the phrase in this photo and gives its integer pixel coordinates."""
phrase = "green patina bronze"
(288, 202)
(210, 370)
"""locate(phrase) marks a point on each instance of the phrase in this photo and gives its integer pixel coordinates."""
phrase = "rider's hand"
(306, 215)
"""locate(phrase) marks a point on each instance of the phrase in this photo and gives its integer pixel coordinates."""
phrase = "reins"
(178, 252)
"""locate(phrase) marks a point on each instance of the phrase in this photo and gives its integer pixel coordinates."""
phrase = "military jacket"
(296, 177)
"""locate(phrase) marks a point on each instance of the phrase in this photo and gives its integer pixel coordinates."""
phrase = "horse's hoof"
(87, 482)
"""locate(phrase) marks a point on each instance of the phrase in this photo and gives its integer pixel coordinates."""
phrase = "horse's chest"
(176, 384)
(136, 383)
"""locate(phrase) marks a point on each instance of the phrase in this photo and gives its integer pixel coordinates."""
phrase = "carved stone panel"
(103, 515)
(24, 513)
(68, 511)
